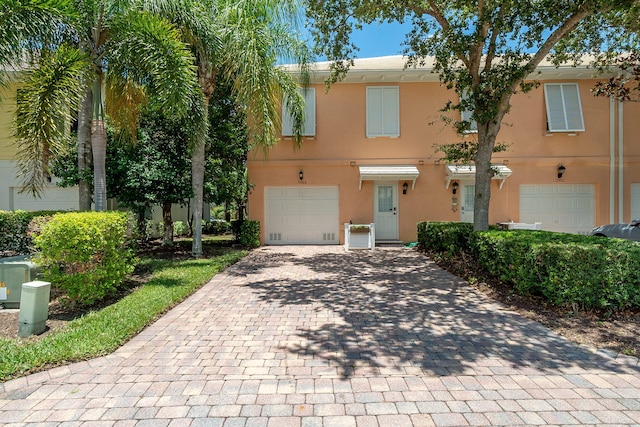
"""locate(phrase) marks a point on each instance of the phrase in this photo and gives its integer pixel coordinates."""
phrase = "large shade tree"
(240, 41)
(486, 50)
(99, 57)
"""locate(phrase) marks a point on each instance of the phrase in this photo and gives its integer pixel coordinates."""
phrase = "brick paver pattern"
(316, 336)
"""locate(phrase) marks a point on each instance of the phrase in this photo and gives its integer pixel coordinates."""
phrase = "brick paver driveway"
(314, 336)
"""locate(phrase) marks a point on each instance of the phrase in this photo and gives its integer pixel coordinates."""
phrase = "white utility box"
(34, 308)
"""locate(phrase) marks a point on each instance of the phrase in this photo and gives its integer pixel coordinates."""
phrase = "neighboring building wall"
(53, 197)
(332, 157)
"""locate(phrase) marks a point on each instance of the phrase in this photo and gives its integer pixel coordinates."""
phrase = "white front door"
(385, 208)
(467, 199)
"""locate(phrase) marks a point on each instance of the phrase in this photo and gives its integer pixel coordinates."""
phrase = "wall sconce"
(301, 175)
(405, 186)
(455, 187)
(352, 163)
(561, 170)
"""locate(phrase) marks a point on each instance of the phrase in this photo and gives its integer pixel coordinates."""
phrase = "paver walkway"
(314, 336)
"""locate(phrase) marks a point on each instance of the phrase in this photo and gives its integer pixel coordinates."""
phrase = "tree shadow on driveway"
(396, 311)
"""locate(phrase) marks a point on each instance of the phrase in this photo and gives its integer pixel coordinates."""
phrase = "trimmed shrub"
(567, 269)
(86, 254)
(179, 228)
(250, 233)
(14, 231)
(448, 238)
(216, 228)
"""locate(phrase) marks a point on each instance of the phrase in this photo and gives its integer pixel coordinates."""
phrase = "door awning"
(467, 172)
(388, 173)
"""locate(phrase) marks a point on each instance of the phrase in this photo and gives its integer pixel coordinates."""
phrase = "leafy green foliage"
(86, 254)
(156, 169)
(247, 232)
(226, 173)
(568, 270)
(625, 86)
(448, 238)
(15, 238)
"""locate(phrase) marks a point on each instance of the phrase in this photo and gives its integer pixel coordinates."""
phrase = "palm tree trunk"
(99, 149)
(84, 150)
(197, 184)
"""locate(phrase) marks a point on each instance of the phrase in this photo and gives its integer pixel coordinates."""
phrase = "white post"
(34, 308)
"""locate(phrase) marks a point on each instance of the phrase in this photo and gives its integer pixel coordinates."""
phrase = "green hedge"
(86, 254)
(567, 269)
(14, 231)
(447, 238)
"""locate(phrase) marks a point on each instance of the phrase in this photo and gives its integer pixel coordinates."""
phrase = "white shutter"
(564, 110)
(309, 112)
(374, 112)
(465, 115)
(383, 111)
(309, 128)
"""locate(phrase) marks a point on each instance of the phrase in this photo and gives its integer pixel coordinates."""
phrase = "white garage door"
(301, 215)
(53, 198)
(569, 208)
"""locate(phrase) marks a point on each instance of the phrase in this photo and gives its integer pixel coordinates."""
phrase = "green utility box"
(14, 271)
(34, 308)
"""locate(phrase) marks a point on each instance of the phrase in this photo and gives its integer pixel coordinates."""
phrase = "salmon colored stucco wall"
(533, 154)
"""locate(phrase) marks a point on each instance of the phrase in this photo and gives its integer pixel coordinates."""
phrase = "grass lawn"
(168, 280)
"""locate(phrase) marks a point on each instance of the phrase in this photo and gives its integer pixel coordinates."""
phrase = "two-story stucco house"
(368, 156)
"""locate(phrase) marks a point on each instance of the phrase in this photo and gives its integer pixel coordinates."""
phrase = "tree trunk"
(167, 240)
(84, 150)
(197, 185)
(486, 141)
(99, 149)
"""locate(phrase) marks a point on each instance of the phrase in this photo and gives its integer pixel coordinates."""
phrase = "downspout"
(612, 160)
(620, 162)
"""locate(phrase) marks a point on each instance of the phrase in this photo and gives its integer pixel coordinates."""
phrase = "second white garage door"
(569, 208)
(301, 215)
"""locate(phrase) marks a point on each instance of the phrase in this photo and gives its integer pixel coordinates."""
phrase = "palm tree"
(98, 47)
(241, 41)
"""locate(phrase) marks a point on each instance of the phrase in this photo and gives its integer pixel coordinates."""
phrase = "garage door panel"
(559, 207)
(302, 215)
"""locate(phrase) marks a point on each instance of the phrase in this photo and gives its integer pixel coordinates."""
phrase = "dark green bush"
(250, 233)
(14, 227)
(216, 228)
(448, 238)
(86, 254)
(567, 269)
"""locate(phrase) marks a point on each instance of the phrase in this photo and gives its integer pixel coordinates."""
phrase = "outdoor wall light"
(561, 170)
(404, 188)
(455, 187)
(301, 175)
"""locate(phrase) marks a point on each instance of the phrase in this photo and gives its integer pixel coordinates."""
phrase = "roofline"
(394, 69)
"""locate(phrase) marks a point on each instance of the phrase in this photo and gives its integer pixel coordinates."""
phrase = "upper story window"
(466, 115)
(309, 128)
(383, 111)
(564, 110)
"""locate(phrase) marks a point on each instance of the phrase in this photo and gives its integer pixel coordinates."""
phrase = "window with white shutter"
(309, 129)
(466, 115)
(564, 110)
(383, 111)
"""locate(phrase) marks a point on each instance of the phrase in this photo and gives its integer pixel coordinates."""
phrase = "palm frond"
(46, 104)
(149, 51)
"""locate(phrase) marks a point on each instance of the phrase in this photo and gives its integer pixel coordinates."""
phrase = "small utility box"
(14, 271)
(34, 308)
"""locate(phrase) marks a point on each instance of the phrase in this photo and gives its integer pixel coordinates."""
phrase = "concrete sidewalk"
(314, 336)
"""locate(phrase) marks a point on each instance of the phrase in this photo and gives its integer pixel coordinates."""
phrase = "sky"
(380, 40)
